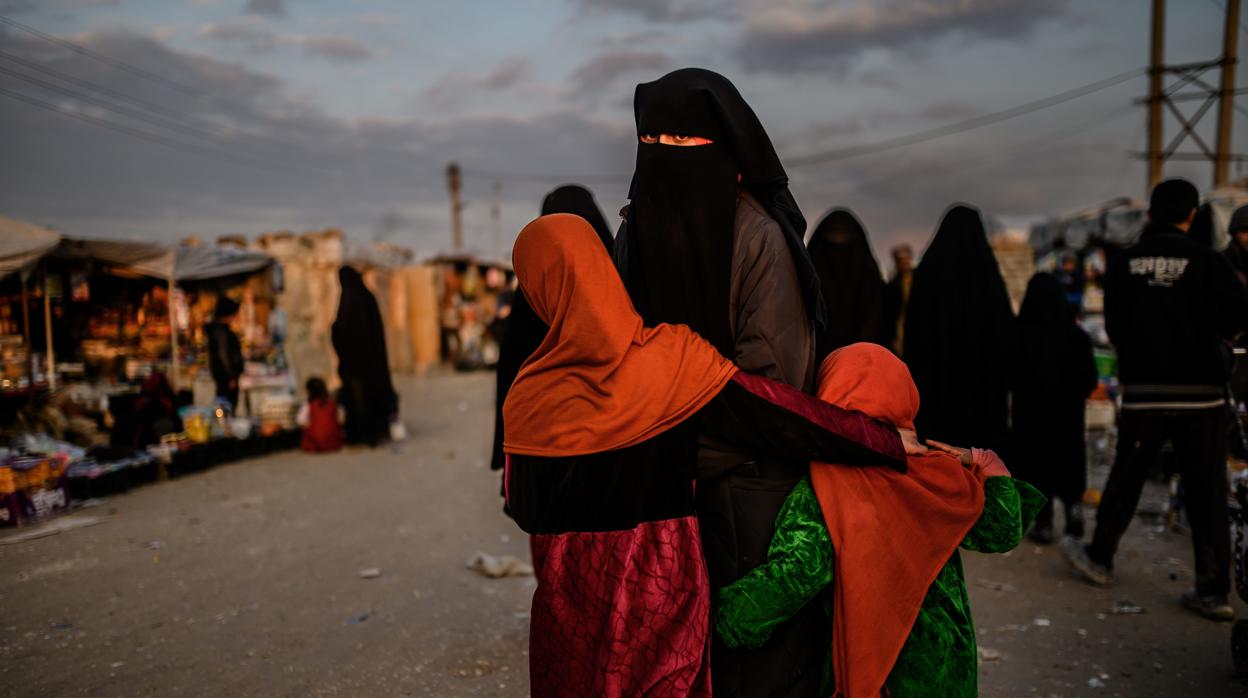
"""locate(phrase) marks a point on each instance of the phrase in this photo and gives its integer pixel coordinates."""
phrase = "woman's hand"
(910, 440)
(964, 455)
(986, 463)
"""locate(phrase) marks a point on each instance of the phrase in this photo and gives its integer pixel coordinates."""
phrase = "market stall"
(110, 334)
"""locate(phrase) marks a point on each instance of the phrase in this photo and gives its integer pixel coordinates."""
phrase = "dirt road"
(245, 581)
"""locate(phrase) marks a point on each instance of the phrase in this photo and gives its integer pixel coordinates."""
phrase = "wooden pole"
(173, 337)
(47, 330)
(1156, 71)
(453, 183)
(1226, 95)
(30, 359)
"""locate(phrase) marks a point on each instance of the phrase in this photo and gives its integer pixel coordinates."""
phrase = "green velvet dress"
(939, 658)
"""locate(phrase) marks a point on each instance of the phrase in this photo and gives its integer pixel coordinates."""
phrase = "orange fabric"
(891, 532)
(600, 380)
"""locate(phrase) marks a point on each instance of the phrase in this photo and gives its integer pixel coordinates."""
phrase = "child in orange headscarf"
(887, 543)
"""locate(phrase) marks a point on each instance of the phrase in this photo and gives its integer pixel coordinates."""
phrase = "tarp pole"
(47, 328)
(173, 336)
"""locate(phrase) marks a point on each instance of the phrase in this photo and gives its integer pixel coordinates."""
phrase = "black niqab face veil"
(677, 246)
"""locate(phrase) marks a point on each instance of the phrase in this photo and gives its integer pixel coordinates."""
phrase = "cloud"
(269, 8)
(319, 170)
(602, 72)
(458, 85)
(666, 10)
(250, 32)
(787, 35)
(254, 34)
(334, 48)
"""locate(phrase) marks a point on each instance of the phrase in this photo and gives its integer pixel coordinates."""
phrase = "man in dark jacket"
(1171, 305)
(225, 354)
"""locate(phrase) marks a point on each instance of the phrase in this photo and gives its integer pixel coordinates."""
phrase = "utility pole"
(1189, 85)
(1156, 71)
(453, 183)
(1226, 95)
(496, 213)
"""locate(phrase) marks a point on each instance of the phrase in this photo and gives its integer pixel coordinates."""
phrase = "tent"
(203, 262)
(23, 244)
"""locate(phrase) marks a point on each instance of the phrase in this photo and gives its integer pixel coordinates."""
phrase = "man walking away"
(1171, 306)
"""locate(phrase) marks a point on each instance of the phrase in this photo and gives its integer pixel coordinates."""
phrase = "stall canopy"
(23, 244)
(202, 262)
(146, 258)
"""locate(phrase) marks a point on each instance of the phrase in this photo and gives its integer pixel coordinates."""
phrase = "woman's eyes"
(648, 138)
(681, 140)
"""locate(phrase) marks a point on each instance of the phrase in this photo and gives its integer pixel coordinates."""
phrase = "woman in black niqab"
(850, 281)
(1054, 375)
(675, 248)
(524, 331)
(960, 336)
(359, 339)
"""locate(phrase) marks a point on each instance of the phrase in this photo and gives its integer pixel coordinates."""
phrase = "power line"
(151, 137)
(155, 121)
(108, 60)
(965, 125)
(473, 173)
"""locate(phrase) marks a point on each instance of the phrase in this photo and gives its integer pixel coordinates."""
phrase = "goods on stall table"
(32, 487)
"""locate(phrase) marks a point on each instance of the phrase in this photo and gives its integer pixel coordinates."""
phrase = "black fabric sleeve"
(1228, 297)
(777, 421)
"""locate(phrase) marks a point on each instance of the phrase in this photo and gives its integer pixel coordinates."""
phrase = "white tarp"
(200, 262)
(23, 244)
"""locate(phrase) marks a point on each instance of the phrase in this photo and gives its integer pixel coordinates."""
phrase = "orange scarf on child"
(600, 380)
(891, 532)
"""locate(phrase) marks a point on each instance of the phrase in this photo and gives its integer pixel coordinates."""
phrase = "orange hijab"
(892, 532)
(600, 380)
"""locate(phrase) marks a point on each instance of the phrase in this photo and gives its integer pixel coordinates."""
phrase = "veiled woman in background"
(850, 280)
(1055, 374)
(359, 339)
(960, 336)
(524, 330)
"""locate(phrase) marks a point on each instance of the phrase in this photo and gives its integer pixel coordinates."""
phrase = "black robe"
(359, 339)
(524, 331)
(850, 281)
(960, 336)
(1054, 374)
(675, 254)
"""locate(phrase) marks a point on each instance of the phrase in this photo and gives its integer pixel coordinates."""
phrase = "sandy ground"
(245, 581)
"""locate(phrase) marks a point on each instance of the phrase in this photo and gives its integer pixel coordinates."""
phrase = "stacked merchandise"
(33, 485)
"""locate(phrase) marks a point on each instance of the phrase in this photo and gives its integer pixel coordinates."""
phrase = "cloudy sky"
(209, 117)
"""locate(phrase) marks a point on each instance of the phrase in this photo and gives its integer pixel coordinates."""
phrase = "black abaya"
(676, 255)
(359, 339)
(960, 336)
(1054, 375)
(524, 331)
(850, 281)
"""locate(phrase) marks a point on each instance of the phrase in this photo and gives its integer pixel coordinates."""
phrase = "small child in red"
(321, 419)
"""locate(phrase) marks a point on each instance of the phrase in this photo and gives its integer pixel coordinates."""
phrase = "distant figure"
(359, 338)
(524, 331)
(1055, 372)
(896, 298)
(1070, 277)
(225, 354)
(321, 419)
(155, 411)
(850, 280)
(1171, 304)
(960, 335)
(1237, 250)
